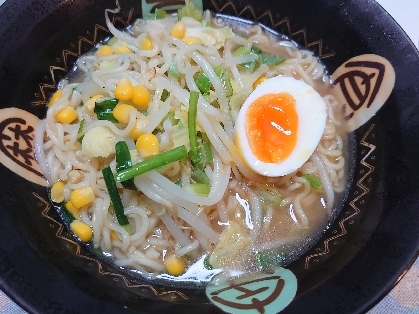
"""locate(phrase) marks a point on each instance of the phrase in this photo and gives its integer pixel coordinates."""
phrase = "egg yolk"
(271, 127)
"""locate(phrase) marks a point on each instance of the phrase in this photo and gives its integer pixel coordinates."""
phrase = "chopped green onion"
(81, 104)
(203, 83)
(105, 108)
(199, 176)
(206, 148)
(252, 65)
(123, 157)
(67, 214)
(192, 112)
(269, 259)
(222, 73)
(204, 152)
(96, 249)
(164, 95)
(314, 181)
(171, 117)
(152, 163)
(271, 59)
(115, 198)
(199, 188)
(82, 123)
(273, 199)
(158, 14)
(189, 10)
(204, 137)
(173, 70)
(218, 69)
(123, 161)
(269, 195)
(241, 51)
(256, 50)
(268, 59)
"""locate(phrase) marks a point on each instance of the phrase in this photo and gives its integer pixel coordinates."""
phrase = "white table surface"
(406, 13)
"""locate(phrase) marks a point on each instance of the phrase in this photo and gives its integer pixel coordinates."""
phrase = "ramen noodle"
(207, 208)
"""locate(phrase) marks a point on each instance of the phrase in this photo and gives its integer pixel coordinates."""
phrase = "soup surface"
(144, 152)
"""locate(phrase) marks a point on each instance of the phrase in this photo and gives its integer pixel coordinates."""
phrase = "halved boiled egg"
(279, 126)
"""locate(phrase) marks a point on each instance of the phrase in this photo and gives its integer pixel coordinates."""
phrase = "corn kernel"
(82, 230)
(178, 30)
(147, 145)
(192, 40)
(124, 89)
(145, 44)
(114, 235)
(74, 211)
(137, 130)
(90, 104)
(175, 266)
(121, 112)
(140, 96)
(104, 51)
(82, 197)
(55, 97)
(259, 81)
(66, 115)
(57, 192)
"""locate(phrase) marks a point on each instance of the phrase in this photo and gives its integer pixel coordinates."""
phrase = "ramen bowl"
(366, 249)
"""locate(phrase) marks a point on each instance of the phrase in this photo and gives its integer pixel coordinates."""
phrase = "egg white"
(311, 111)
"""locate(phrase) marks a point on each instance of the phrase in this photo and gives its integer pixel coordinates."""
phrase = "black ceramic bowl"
(363, 254)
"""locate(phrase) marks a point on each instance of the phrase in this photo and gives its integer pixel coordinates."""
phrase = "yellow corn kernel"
(137, 130)
(82, 230)
(82, 197)
(147, 145)
(90, 104)
(140, 96)
(57, 192)
(124, 89)
(192, 40)
(121, 112)
(114, 235)
(55, 97)
(145, 44)
(67, 115)
(175, 266)
(259, 81)
(178, 30)
(104, 51)
(70, 207)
